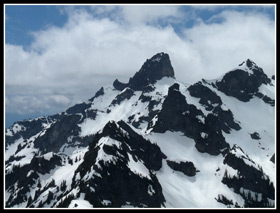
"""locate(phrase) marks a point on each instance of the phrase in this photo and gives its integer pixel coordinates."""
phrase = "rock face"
(188, 119)
(116, 176)
(249, 177)
(153, 69)
(99, 93)
(57, 134)
(186, 167)
(121, 148)
(272, 159)
(207, 97)
(243, 84)
(126, 94)
(255, 136)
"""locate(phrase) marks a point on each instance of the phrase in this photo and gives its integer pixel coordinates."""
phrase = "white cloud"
(150, 14)
(222, 46)
(69, 64)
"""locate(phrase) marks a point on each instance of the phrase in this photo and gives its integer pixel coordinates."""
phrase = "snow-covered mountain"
(152, 142)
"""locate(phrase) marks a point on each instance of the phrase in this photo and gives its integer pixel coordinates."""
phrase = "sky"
(60, 55)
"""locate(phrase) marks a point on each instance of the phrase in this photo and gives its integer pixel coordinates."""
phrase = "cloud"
(221, 46)
(65, 65)
(28, 104)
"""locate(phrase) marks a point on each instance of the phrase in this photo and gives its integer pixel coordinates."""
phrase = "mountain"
(152, 142)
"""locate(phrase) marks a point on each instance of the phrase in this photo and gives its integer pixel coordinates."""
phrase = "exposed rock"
(26, 176)
(119, 85)
(224, 200)
(186, 167)
(226, 119)
(243, 84)
(78, 108)
(255, 136)
(187, 119)
(100, 92)
(208, 98)
(29, 128)
(210, 138)
(250, 177)
(153, 69)
(126, 94)
(115, 177)
(58, 133)
(272, 159)
(265, 98)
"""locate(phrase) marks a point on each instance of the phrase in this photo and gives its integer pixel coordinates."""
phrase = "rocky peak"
(249, 63)
(243, 83)
(251, 67)
(153, 69)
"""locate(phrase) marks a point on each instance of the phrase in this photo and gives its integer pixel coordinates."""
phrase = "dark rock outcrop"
(250, 177)
(126, 94)
(208, 98)
(153, 69)
(26, 176)
(187, 167)
(119, 85)
(255, 136)
(115, 177)
(29, 128)
(272, 159)
(243, 84)
(226, 119)
(78, 108)
(187, 119)
(212, 102)
(57, 134)
(265, 98)
(100, 92)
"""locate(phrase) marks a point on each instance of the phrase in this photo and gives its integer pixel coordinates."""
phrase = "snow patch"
(80, 203)
(48, 156)
(138, 167)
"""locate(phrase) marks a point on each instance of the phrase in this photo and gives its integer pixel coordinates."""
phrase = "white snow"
(254, 195)
(195, 192)
(16, 128)
(268, 90)
(64, 172)
(80, 203)
(138, 167)
(151, 191)
(12, 148)
(157, 59)
(29, 173)
(106, 202)
(224, 107)
(102, 156)
(9, 132)
(48, 156)
(204, 135)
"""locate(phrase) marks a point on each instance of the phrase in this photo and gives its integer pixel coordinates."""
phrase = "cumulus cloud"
(68, 64)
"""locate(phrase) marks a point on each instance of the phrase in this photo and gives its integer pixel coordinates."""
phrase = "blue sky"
(57, 55)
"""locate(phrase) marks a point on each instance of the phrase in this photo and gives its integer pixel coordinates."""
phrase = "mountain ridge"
(136, 144)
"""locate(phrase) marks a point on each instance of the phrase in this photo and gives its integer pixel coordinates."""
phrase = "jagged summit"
(249, 63)
(251, 67)
(244, 82)
(153, 69)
